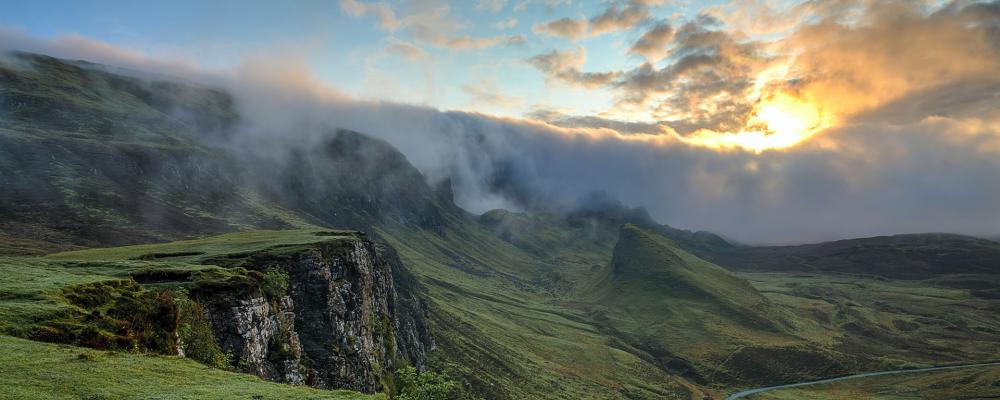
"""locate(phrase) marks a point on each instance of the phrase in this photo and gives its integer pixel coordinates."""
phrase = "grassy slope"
(198, 250)
(687, 312)
(93, 158)
(33, 294)
(506, 329)
(34, 370)
(963, 384)
(646, 264)
(514, 333)
(901, 323)
(32, 289)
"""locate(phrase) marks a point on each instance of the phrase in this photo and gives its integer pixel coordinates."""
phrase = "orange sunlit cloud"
(778, 123)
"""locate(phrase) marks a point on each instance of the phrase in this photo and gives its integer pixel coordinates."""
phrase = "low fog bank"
(919, 173)
(922, 170)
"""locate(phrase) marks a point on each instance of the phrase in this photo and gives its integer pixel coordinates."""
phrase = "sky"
(463, 55)
(765, 120)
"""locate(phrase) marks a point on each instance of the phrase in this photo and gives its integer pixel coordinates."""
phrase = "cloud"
(76, 47)
(572, 29)
(652, 45)
(429, 23)
(386, 16)
(508, 23)
(763, 17)
(707, 84)
(564, 66)
(407, 50)
(491, 5)
(523, 4)
(615, 18)
(841, 58)
(895, 174)
(435, 26)
(488, 94)
(562, 118)
(465, 42)
(894, 51)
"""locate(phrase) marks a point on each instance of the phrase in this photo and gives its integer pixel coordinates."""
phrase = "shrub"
(197, 336)
(427, 385)
(275, 283)
(116, 314)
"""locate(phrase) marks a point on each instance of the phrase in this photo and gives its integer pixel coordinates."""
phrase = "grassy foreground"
(34, 370)
(42, 296)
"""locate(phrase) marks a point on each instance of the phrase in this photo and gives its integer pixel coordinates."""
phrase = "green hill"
(693, 316)
(644, 262)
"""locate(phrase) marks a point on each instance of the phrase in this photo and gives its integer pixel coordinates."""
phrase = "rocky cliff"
(327, 314)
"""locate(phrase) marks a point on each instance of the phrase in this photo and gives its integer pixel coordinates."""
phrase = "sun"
(787, 118)
(780, 121)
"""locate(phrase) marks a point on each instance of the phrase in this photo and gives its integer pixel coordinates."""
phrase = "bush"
(413, 385)
(275, 283)
(197, 336)
(115, 315)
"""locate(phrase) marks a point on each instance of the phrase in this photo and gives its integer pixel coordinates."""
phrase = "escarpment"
(326, 314)
(328, 309)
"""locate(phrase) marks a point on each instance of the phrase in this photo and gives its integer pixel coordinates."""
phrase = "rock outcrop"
(339, 323)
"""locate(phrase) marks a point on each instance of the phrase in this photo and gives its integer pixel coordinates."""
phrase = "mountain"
(690, 314)
(648, 267)
(594, 222)
(93, 158)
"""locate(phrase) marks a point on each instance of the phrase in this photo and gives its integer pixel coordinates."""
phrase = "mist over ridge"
(913, 165)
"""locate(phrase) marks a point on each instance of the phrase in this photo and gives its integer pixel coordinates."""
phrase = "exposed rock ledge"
(340, 323)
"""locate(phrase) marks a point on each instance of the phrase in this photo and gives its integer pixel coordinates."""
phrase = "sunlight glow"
(787, 117)
(779, 122)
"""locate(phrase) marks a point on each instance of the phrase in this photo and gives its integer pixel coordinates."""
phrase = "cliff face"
(337, 324)
(412, 331)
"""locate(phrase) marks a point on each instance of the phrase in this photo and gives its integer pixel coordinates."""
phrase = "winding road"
(748, 392)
